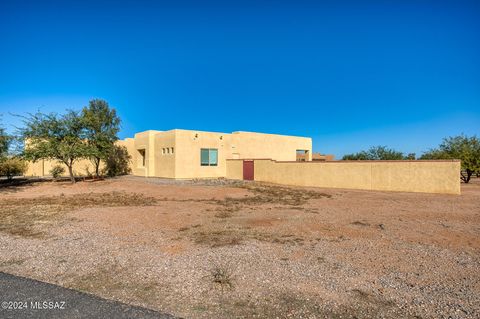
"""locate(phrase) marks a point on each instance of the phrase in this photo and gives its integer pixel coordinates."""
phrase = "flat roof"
(235, 132)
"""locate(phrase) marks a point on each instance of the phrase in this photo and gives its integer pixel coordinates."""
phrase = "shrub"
(118, 162)
(57, 171)
(222, 276)
(12, 166)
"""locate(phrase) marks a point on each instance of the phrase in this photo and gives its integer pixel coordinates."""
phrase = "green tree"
(375, 153)
(4, 142)
(362, 155)
(10, 166)
(55, 137)
(434, 154)
(464, 148)
(410, 156)
(101, 126)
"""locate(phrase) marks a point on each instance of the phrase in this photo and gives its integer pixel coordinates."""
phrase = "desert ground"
(232, 249)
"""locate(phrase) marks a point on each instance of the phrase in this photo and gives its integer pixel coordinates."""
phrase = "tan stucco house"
(198, 154)
(184, 154)
(279, 159)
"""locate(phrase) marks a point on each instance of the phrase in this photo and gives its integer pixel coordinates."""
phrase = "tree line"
(464, 148)
(67, 138)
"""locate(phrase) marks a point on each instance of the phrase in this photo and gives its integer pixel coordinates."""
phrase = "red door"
(248, 170)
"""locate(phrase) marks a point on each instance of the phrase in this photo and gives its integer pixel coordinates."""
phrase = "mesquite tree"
(4, 143)
(55, 137)
(101, 125)
(378, 153)
(464, 148)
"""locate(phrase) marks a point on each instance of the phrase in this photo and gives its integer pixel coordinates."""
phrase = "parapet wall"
(404, 176)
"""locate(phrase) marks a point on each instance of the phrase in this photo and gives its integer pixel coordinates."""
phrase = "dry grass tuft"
(223, 214)
(217, 238)
(277, 238)
(236, 236)
(264, 194)
(12, 262)
(25, 216)
(222, 277)
(360, 223)
(370, 299)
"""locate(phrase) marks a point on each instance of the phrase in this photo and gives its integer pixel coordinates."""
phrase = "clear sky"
(349, 74)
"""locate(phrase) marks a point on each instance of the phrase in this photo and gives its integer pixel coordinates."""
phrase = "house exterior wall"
(406, 176)
(277, 147)
(230, 146)
(184, 161)
(144, 141)
(187, 156)
(235, 169)
(129, 144)
(43, 167)
(164, 154)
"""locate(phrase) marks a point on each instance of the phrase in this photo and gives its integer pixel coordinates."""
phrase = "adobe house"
(278, 159)
(184, 154)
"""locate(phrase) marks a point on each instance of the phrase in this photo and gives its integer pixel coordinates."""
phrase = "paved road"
(32, 295)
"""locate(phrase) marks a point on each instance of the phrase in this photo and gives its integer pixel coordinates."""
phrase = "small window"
(208, 157)
(171, 150)
(163, 150)
(168, 150)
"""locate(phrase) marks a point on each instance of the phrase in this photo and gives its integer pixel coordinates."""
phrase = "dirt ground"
(224, 249)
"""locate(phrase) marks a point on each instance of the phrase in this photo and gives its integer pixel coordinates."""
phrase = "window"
(167, 150)
(208, 157)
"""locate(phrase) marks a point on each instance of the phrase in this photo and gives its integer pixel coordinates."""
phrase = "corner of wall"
(176, 133)
(151, 154)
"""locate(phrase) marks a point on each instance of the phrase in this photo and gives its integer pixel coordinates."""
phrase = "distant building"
(316, 157)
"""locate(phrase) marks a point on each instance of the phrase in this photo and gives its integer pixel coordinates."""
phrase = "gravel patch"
(194, 182)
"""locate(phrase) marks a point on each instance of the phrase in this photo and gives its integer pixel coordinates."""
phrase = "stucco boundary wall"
(442, 177)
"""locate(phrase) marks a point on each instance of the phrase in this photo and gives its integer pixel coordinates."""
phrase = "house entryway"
(248, 170)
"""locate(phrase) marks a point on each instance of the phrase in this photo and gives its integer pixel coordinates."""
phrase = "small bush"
(118, 162)
(222, 277)
(57, 171)
(13, 166)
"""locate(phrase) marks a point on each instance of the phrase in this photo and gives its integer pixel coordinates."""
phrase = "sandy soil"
(231, 250)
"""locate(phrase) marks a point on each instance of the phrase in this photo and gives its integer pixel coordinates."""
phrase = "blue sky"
(349, 74)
